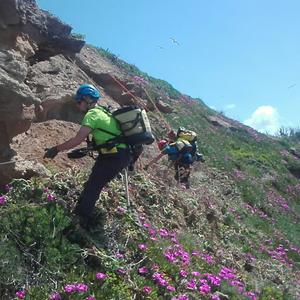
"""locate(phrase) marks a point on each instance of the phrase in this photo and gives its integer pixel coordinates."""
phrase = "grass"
(132, 70)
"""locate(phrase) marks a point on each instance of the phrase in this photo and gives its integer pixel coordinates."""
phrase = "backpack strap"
(117, 139)
(109, 144)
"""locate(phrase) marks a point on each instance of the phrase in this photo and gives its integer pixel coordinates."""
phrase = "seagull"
(174, 41)
(291, 86)
(160, 47)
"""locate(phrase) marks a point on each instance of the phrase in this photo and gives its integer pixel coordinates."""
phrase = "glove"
(51, 152)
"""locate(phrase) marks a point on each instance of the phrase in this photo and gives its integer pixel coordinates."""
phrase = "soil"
(31, 145)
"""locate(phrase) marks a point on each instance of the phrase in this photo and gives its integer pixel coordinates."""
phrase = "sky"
(241, 57)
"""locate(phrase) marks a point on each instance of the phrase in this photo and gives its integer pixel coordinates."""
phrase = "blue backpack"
(180, 150)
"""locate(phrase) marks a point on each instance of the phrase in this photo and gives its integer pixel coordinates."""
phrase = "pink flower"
(157, 276)
(121, 210)
(142, 247)
(183, 273)
(55, 296)
(196, 274)
(8, 188)
(227, 273)
(90, 298)
(204, 289)
(191, 285)
(21, 294)
(119, 255)
(181, 297)
(174, 240)
(69, 288)
(185, 257)
(214, 280)
(251, 295)
(50, 197)
(169, 255)
(121, 271)
(100, 276)
(171, 288)
(81, 287)
(162, 282)
(147, 290)
(143, 270)
(163, 232)
(155, 267)
(2, 200)
(152, 232)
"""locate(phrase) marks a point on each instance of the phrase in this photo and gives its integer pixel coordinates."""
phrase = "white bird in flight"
(174, 41)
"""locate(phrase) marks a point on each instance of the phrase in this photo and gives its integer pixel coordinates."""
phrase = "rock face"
(41, 66)
(27, 35)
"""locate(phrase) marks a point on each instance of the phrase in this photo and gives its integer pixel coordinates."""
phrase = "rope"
(154, 104)
(127, 91)
(126, 187)
(137, 100)
(7, 162)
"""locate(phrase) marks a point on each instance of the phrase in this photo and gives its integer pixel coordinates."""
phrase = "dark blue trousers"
(106, 167)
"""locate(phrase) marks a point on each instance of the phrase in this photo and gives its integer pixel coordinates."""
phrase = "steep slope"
(234, 235)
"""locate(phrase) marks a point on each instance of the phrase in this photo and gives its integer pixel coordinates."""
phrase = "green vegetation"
(234, 235)
(44, 253)
(132, 70)
(78, 36)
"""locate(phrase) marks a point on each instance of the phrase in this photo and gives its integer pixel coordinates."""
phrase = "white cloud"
(264, 119)
(230, 106)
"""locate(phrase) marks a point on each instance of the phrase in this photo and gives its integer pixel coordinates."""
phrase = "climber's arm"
(80, 137)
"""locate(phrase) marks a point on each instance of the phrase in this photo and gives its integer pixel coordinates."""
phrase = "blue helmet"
(87, 90)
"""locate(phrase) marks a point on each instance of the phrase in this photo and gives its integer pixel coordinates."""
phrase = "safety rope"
(158, 111)
(7, 162)
(137, 100)
(126, 187)
(127, 91)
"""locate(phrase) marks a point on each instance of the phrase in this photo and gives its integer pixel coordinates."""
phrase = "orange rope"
(128, 92)
(165, 122)
(139, 102)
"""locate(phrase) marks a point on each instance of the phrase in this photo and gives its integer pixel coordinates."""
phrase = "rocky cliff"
(41, 65)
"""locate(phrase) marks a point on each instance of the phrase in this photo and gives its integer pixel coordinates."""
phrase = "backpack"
(180, 151)
(136, 131)
(135, 125)
(184, 134)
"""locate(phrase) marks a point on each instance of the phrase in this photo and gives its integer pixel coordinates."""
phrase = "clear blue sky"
(241, 57)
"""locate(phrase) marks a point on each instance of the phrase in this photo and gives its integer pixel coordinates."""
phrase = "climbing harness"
(81, 152)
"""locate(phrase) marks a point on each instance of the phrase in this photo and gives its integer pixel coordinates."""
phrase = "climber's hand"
(51, 152)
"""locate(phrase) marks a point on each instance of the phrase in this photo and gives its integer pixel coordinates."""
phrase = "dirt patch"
(31, 144)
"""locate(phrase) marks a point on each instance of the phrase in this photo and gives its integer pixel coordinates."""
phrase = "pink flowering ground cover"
(149, 261)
